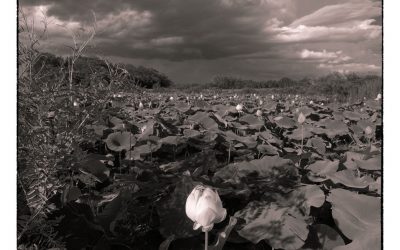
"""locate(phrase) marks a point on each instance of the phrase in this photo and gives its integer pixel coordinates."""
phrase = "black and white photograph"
(199, 124)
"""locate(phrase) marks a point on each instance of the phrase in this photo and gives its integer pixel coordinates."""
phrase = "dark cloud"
(255, 38)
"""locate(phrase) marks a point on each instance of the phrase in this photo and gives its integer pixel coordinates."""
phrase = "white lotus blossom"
(204, 208)
(239, 108)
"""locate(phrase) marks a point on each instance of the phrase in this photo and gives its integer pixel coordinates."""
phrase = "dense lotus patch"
(276, 169)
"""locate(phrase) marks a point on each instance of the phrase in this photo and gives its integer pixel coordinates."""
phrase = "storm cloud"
(193, 40)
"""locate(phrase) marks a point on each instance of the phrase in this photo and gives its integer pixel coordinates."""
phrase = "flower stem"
(302, 137)
(206, 241)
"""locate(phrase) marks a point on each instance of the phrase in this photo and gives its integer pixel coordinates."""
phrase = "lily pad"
(119, 141)
(354, 214)
(142, 151)
(277, 225)
(318, 144)
(266, 149)
(348, 178)
(374, 163)
(369, 240)
(335, 128)
(351, 158)
(98, 129)
(182, 107)
(307, 196)
(273, 168)
(95, 168)
(173, 219)
(326, 238)
(354, 116)
(285, 122)
(250, 142)
(204, 120)
(299, 133)
(323, 168)
(253, 121)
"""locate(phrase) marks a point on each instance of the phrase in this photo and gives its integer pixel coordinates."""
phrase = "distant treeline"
(93, 71)
(90, 71)
(344, 87)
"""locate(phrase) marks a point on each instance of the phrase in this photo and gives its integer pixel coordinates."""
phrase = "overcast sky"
(194, 40)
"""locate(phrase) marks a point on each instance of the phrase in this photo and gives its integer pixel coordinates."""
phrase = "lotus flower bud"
(204, 208)
(368, 130)
(272, 97)
(142, 129)
(76, 104)
(141, 105)
(302, 118)
(311, 102)
(171, 98)
(239, 107)
(259, 113)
